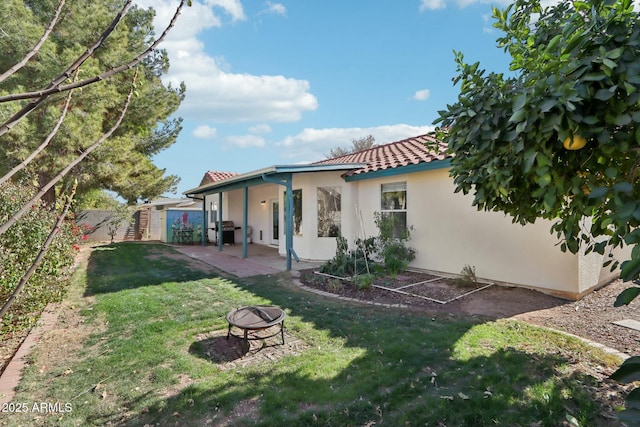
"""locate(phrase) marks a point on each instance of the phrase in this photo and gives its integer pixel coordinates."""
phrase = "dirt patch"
(68, 318)
(591, 318)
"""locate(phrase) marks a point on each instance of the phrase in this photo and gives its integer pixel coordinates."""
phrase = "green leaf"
(547, 105)
(623, 187)
(615, 53)
(609, 63)
(630, 88)
(623, 120)
(519, 102)
(543, 160)
(629, 417)
(549, 200)
(594, 77)
(604, 94)
(633, 399)
(529, 158)
(625, 297)
(518, 116)
(611, 172)
(630, 269)
(626, 211)
(629, 371)
(598, 192)
(572, 420)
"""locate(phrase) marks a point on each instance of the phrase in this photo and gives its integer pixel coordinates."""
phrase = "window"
(393, 205)
(297, 212)
(329, 211)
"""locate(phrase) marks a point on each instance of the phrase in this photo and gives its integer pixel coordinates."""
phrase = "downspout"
(289, 215)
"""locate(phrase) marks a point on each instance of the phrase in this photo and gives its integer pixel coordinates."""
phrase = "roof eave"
(401, 170)
(272, 170)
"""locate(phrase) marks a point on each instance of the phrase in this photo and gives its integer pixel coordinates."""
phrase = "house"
(410, 180)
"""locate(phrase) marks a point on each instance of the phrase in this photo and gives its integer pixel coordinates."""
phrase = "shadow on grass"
(128, 265)
(364, 365)
(220, 349)
(403, 373)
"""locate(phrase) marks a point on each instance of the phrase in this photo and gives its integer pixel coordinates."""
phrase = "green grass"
(139, 362)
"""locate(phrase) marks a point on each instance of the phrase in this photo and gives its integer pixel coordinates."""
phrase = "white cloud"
(422, 95)
(275, 8)
(231, 7)
(432, 4)
(244, 141)
(205, 132)
(260, 129)
(442, 4)
(312, 145)
(214, 92)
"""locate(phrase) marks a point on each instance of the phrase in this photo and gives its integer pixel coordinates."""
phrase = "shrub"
(467, 277)
(347, 263)
(334, 285)
(20, 245)
(392, 247)
(365, 281)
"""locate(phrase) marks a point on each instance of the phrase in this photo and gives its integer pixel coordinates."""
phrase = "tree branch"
(42, 95)
(44, 144)
(38, 45)
(39, 257)
(4, 227)
(11, 122)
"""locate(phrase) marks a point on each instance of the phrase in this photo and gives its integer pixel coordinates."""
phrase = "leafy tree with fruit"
(558, 136)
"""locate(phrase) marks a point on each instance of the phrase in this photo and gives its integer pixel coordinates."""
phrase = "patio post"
(219, 219)
(287, 183)
(288, 210)
(204, 220)
(245, 222)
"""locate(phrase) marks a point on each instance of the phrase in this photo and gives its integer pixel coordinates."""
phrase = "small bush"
(334, 285)
(467, 277)
(20, 245)
(365, 281)
(391, 247)
(348, 263)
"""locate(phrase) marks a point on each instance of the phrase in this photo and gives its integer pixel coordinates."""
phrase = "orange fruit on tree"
(574, 142)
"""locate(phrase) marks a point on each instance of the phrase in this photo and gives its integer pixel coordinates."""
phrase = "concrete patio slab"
(261, 259)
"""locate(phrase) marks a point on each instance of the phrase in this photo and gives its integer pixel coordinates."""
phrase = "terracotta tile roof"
(214, 176)
(410, 151)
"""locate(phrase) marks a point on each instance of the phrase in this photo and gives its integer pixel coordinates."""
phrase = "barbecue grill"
(228, 232)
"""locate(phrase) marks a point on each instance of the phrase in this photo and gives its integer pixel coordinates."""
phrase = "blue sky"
(283, 82)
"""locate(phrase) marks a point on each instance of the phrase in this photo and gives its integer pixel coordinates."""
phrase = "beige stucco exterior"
(448, 232)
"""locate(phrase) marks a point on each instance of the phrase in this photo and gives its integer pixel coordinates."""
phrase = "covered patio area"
(261, 259)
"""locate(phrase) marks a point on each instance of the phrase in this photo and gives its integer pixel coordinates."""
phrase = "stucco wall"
(449, 233)
(258, 214)
(309, 245)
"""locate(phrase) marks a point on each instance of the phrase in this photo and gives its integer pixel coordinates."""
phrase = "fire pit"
(253, 319)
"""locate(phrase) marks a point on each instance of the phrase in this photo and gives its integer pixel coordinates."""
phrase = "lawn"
(128, 352)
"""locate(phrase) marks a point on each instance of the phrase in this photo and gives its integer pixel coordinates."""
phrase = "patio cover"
(281, 175)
